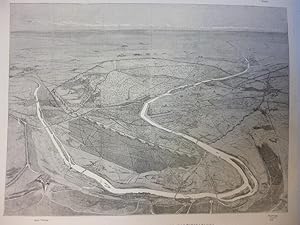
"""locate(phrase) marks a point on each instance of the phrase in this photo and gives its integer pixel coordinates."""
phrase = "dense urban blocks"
(147, 122)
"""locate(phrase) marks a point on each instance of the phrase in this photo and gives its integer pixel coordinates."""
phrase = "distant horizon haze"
(55, 17)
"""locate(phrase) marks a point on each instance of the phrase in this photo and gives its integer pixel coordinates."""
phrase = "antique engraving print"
(125, 109)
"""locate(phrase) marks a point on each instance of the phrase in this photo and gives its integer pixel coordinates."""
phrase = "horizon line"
(258, 30)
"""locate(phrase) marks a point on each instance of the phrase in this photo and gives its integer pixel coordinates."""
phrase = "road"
(229, 196)
(232, 160)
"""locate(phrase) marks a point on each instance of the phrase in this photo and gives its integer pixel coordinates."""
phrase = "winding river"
(248, 187)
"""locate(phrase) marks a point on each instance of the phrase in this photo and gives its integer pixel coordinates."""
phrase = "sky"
(47, 17)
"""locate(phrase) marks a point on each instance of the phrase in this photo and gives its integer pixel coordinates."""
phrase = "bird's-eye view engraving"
(127, 109)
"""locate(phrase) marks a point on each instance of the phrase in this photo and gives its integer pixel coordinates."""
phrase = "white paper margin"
(290, 218)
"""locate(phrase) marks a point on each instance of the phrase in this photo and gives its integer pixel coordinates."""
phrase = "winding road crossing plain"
(147, 126)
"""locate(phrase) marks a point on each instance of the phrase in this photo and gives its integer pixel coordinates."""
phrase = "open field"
(147, 122)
